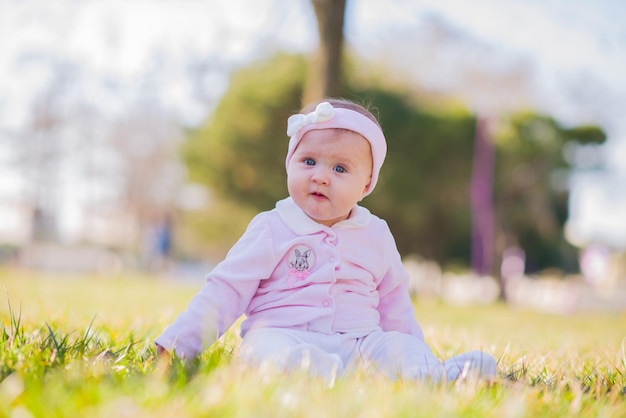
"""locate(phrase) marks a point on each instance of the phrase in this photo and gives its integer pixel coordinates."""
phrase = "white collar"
(301, 224)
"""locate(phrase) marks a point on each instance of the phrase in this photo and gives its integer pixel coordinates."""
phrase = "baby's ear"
(367, 186)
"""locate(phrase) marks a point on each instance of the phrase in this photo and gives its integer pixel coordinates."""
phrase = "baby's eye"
(340, 169)
(309, 161)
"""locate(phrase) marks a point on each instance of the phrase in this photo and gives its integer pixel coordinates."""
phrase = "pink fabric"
(353, 121)
(343, 286)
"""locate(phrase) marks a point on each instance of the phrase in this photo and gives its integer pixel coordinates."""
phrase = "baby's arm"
(209, 314)
(395, 306)
(225, 296)
(396, 312)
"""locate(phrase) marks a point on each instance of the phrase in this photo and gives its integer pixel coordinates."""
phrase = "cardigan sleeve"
(395, 306)
(225, 295)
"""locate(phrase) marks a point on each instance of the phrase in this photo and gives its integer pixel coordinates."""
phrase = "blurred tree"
(532, 187)
(423, 191)
(148, 176)
(325, 78)
(40, 150)
(481, 199)
(239, 152)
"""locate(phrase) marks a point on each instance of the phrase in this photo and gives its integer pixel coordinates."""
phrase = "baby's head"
(335, 154)
(339, 114)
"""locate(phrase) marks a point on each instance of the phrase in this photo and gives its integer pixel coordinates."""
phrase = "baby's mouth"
(318, 195)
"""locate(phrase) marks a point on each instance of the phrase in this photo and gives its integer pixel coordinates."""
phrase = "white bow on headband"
(323, 112)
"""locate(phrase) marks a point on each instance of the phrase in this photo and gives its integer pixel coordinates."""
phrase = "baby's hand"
(162, 352)
(162, 359)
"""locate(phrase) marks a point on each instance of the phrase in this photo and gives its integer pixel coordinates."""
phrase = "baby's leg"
(401, 356)
(285, 349)
(473, 362)
(404, 356)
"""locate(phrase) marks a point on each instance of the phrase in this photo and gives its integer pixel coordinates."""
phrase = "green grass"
(82, 346)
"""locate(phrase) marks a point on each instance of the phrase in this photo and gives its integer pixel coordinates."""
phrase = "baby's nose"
(320, 176)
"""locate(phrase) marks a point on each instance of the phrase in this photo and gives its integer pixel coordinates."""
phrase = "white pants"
(396, 355)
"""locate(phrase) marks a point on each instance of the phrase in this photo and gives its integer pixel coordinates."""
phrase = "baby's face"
(329, 173)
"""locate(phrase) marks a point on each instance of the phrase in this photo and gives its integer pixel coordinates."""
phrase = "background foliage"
(424, 185)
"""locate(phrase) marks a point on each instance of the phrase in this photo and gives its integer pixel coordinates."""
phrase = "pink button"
(326, 303)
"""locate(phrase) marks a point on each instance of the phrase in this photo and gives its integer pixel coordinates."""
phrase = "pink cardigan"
(289, 271)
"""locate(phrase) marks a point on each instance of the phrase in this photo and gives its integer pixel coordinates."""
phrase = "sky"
(575, 51)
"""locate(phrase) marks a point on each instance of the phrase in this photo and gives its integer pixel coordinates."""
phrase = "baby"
(319, 277)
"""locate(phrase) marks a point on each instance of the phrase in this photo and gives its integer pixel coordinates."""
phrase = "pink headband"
(326, 116)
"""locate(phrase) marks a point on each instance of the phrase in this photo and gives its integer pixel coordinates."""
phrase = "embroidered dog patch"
(301, 259)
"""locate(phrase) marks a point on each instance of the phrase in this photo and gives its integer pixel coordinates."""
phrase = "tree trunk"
(325, 76)
(482, 200)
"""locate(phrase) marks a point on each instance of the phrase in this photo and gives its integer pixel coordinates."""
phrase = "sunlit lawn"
(82, 346)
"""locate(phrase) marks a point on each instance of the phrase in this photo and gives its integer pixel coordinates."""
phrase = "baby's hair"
(345, 104)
